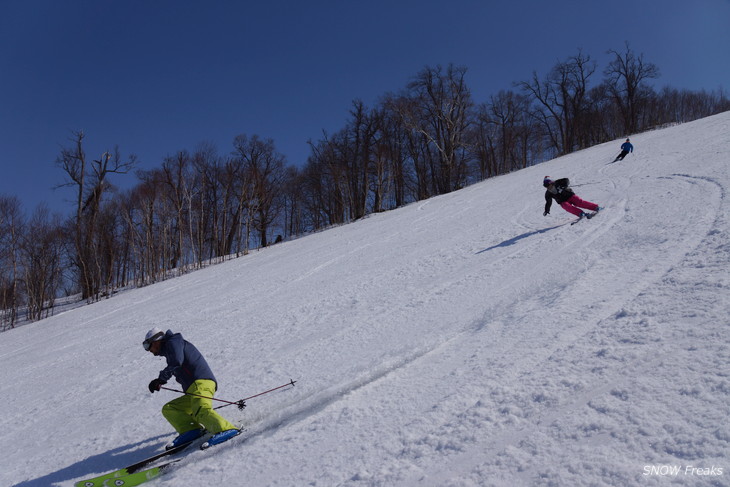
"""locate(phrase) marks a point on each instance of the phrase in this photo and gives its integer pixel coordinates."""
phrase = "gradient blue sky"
(155, 77)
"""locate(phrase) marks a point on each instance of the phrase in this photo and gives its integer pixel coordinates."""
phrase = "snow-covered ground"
(465, 340)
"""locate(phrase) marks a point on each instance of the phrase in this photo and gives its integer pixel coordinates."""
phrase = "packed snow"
(465, 340)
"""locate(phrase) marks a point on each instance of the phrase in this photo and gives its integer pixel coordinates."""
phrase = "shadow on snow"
(516, 239)
(99, 464)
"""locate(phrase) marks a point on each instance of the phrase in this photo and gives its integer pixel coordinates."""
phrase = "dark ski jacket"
(184, 361)
(561, 193)
(627, 147)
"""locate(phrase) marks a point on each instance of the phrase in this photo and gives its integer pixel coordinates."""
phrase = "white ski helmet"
(155, 334)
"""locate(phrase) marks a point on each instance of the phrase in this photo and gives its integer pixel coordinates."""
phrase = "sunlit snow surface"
(464, 340)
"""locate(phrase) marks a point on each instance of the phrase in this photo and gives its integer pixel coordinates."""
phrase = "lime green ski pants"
(192, 412)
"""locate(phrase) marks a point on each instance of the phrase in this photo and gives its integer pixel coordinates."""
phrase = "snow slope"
(465, 340)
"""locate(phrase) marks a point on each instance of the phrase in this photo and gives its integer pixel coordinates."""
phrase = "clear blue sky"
(155, 77)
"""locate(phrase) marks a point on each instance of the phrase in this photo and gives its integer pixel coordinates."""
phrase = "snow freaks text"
(679, 470)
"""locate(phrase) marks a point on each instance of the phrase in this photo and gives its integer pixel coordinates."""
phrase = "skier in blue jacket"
(626, 147)
(191, 414)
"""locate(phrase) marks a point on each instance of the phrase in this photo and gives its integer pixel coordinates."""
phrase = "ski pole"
(242, 403)
(228, 403)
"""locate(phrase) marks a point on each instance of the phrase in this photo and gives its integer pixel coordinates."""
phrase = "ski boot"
(219, 438)
(187, 437)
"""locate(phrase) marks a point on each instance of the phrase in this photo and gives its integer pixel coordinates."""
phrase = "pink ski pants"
(574, 205)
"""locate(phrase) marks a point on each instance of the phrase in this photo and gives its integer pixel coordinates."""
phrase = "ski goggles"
(148, 342)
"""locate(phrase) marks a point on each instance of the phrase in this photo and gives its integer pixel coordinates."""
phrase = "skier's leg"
(178, 413)
(203, 408)
(577, 201)
(570, 208)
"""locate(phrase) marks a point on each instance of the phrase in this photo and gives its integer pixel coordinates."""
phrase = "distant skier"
(626, 147)
(191, 414)
(560, 191)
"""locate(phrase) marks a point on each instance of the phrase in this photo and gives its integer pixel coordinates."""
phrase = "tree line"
(203, 206)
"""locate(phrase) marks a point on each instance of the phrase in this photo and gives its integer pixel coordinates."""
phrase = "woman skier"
(560, 191)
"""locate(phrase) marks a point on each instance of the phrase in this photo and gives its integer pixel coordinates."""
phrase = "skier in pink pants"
(560, 191)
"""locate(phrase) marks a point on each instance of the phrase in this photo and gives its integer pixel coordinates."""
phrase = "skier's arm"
(175, 356)
(548, 204)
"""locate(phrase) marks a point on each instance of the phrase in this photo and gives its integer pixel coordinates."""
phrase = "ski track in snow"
(515, 437)
(460, 341)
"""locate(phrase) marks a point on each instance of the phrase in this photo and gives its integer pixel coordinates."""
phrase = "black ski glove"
(155, 385)
(546, 213)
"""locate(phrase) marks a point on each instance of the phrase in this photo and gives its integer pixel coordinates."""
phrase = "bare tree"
(42, 257)
(207, 206)
(142, 219)
(11, 231)
(176, 181)
(293, 199)
(502, 133)
(90, 180)
(625, 78)
(439, 109)
(265, 171)
(391, 156)
(561, 100)
(384, 165)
